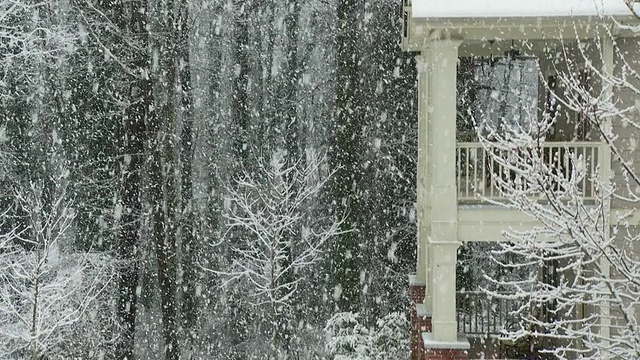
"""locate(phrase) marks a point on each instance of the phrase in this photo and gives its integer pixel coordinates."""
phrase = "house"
(452, 194)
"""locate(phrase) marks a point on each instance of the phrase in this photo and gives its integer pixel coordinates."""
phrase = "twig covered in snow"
(270, 234)
(44, 292)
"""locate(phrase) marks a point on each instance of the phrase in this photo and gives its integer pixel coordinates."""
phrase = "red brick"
(446, 354)
(415, 349)
(424, 323)
(416, 293)
(415, 340)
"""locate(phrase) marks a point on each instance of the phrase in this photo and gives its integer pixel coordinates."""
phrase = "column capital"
(438, 44)
(445, 253)
(423, 59)
(442, 35)
(608, 30)
(444, 52)
(439, 244)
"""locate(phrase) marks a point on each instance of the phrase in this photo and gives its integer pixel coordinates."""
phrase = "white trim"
(461, 342)
(519, 9)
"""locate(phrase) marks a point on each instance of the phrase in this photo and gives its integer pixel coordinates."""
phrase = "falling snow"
(247, 179)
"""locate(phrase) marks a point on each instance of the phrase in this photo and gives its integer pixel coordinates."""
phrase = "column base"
(416, 289)
(423, 319)
(440, 350)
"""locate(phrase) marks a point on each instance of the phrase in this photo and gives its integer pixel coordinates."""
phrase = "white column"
(423, 190)
(605, 170)
(443, 240)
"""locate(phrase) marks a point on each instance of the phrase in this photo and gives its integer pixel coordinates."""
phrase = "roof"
(513, 8)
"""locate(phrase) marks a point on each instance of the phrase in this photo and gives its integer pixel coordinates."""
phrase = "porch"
(459, 181)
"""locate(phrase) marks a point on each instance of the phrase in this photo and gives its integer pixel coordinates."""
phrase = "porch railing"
(479, 314)
(477, 168)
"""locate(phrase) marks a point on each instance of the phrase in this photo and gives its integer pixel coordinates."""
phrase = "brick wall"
(446, 354)
(416, 296)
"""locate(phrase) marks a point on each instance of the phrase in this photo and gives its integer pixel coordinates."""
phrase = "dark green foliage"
(389, 167)
(345, 147)
(375, 143)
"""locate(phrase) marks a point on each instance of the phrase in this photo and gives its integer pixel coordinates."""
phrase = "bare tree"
(267, 209)
(45, 292)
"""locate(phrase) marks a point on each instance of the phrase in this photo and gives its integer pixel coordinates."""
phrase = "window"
(501, 92)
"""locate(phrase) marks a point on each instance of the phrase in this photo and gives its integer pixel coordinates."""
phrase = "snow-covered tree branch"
(47, 291)
(273, 239)
(349, 339)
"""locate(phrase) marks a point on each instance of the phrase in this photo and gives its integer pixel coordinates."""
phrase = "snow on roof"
(513, 8)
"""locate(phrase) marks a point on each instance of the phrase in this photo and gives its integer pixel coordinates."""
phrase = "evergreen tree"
(344, 152)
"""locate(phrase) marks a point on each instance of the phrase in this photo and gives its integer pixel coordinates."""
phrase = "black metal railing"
(481, 314)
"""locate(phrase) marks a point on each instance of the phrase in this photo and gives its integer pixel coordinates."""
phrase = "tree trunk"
(187, 234)
(285, 320)
(131, 162)
(163, 179)
(240, 100)
(343, 153)
(162, 200)
(240, 117)
(292, 126)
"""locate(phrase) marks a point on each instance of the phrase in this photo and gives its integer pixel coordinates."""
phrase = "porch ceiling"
(516, 29)
(527, 47)
(435, 9)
